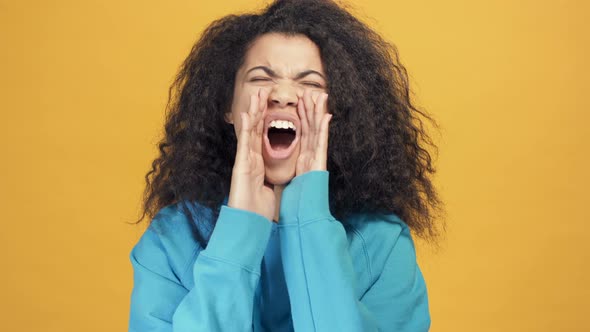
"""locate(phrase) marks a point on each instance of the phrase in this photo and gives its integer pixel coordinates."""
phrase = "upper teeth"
(282, 124)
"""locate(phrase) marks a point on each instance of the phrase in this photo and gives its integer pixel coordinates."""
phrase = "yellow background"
(83, 86)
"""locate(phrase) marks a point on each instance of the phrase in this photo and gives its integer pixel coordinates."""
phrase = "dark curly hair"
(376, 155)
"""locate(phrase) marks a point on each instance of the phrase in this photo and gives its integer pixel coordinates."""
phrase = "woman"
(257, 223)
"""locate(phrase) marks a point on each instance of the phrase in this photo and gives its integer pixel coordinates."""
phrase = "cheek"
(241, 102)
(242, 93)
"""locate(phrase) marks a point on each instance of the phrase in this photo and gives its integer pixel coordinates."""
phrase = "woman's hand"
(315, 120)
(248, 190)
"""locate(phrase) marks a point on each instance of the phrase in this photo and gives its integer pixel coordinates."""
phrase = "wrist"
(306, 198)
(239, 236)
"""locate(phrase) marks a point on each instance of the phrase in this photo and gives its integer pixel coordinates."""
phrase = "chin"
(280, 172)
(279, 175)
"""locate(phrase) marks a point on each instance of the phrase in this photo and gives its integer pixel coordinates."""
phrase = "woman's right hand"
(248, 191)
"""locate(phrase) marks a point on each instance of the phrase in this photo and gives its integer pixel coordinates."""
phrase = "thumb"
(243, 137)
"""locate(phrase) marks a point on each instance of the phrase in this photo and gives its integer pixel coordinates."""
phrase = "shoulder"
(378, 235)
(385, 229)
(168, 244)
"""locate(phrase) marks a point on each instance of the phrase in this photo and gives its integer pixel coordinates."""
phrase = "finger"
(321, 106)
(320, 111)
(263, 101)
(323, 140)
(314, 96)
(304, 124)
(313, 119)
(263, 106)
(309, 110)
(307, 99)
(258, 126)
(243, 138)
(255, 106)
(249, 113)
(255, 115)
(260, 132)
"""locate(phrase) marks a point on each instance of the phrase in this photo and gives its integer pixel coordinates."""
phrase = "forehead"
(284, 53)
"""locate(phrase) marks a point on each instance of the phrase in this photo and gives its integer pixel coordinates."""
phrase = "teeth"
(282, 124)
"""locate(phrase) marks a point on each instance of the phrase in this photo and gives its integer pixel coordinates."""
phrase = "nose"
(283, 96)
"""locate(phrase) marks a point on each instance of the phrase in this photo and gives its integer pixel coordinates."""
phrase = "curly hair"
(377, 158)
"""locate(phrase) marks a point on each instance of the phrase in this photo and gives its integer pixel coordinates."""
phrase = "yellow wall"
(83, 87)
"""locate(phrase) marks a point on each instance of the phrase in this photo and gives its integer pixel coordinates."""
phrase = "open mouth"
(281, 138)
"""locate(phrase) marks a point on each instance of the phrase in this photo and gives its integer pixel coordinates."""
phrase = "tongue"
(280, 141)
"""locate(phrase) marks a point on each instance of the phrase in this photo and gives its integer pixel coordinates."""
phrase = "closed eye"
(316, 85)
(313, 84)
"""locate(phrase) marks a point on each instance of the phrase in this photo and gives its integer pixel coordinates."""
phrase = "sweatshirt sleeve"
(225, 276)
(320, 274)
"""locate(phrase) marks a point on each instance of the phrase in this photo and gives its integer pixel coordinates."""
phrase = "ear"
(228, 118)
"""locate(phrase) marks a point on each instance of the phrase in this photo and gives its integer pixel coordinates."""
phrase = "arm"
(320, 275)
(225, 277)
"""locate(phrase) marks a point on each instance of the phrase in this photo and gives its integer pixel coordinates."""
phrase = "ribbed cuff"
(240, 237)
(306, 198)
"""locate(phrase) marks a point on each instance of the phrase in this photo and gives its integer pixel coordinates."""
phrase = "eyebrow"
(271, 73)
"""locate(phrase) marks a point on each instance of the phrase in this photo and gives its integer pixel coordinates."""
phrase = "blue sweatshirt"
(307, 273)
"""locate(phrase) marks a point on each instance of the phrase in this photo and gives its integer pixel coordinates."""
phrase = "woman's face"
(286, 67)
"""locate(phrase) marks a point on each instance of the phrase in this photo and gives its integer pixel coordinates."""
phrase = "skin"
(258, 181)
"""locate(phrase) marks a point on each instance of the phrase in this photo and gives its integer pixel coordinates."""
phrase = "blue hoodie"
(307, 273)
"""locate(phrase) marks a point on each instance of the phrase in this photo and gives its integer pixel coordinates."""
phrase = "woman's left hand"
(315, 120)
